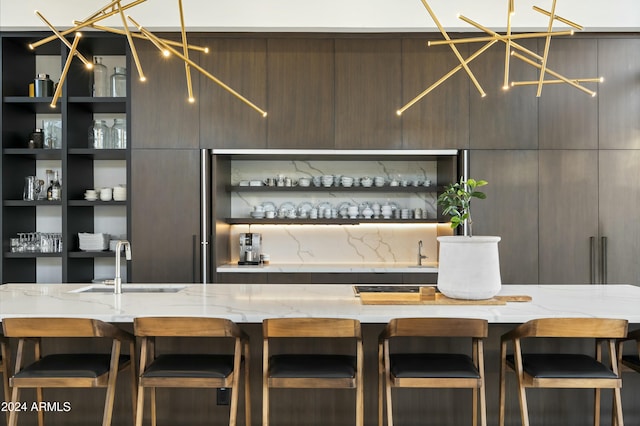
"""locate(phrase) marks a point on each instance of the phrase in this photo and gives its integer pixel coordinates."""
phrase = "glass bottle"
(56, 190)
(100, 78)
(99, 135)
(119, 134)
(119, 82)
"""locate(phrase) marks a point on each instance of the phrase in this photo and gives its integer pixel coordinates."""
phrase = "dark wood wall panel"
(619, 95)
(368, 87)
(503, 119)
(166, 215)
(566, 260)
(301, 93)
(161, 116)
(226, 121)
(510, 210)
(441, 118)
(568, 116)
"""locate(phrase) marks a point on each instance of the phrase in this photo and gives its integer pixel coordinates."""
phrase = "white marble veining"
(252, 303)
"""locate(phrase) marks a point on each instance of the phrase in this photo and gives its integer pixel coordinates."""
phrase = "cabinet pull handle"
(603, 260)
(592, 257)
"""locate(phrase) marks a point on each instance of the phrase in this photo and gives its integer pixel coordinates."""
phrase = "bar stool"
(189, 370)
(563, 370)
(304, 370)
(630, 361)
(431, 369)
(4, 371)
(68, 370)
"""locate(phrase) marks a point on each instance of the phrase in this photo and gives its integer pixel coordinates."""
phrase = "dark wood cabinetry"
(162, 116)
(504, 119)
(166, 215)
(441, 119)
(80, 166)
(226, 122)
(619, 95)
(368, 83)
(510, 210)
(300, 78)
(569, 117)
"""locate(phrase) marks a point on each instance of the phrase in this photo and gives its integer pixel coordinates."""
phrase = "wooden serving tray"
(429, 296)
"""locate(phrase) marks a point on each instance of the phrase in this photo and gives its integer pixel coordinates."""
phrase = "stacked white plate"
(120, 193)
(93, 242)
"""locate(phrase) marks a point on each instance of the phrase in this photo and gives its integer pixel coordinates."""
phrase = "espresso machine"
(250, 248)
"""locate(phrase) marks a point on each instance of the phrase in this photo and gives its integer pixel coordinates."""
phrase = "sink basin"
(128, 289)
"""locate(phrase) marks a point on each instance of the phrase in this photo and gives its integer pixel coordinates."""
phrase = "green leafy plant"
(456, 201)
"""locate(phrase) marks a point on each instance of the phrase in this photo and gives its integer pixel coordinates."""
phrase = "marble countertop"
(251, 303)
(427, 267)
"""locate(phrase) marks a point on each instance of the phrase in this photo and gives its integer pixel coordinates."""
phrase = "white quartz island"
(251, 303)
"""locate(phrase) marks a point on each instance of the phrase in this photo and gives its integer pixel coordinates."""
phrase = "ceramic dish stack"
(120, 193)
(93, 242)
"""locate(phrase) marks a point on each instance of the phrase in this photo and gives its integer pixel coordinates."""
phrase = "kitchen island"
(249, 304)
(252, 303)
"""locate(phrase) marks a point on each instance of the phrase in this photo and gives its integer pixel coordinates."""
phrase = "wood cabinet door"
(510, 210)
(301, 93)
(440, 120)
(619, 95)
(503, 119)
(619, 207)
(226, 121)
(368, 92)
(568, 116)
(165, 192)
(568, 216)
(161, 115)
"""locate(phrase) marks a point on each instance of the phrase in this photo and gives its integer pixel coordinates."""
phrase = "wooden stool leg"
(617, 407)
(247, 387)
(140, 406)
(596, 408)
(13, 414)
(153, 407)
(40, 398)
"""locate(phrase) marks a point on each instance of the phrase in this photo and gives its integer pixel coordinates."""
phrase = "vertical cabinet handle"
(194, 265)
(592, 257)
(603, 260)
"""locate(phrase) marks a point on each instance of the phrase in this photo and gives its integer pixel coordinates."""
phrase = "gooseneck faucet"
(117, 281)
(420, 255)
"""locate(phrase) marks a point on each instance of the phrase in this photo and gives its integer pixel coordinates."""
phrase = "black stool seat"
(565, 366)
(312, 366)
(433, 365)
(70, 365)
(190, 365)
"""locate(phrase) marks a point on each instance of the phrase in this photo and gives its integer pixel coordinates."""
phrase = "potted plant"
(468, 266)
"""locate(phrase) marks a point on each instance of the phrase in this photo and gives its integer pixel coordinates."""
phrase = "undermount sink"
(127, 289)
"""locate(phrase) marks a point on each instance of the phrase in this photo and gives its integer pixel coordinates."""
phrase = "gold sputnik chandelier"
(512, 48)
(167, 47)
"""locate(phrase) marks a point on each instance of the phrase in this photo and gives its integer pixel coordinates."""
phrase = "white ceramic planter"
(469, 267)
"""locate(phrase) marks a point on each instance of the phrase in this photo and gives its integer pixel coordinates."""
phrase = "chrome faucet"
(117, 281)
(420, 255)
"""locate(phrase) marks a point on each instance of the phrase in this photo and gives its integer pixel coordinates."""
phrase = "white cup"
(106, 194)
(270, 214)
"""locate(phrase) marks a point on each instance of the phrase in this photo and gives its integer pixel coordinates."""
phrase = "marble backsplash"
(348, 244)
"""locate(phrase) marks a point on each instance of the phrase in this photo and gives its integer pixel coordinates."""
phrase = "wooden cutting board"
(429, 296)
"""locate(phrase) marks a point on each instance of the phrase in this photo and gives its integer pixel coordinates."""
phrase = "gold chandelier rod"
(559, 18)
(500, 37)
(64, 40)
(547, 44)
(65, 70)
(445, 77)
(507, 52)
(454, 48)
(575, 80)
(84, 24)
(185, 52)
(555, 74)
(101, 11)
(199, 68)
(132, 46)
